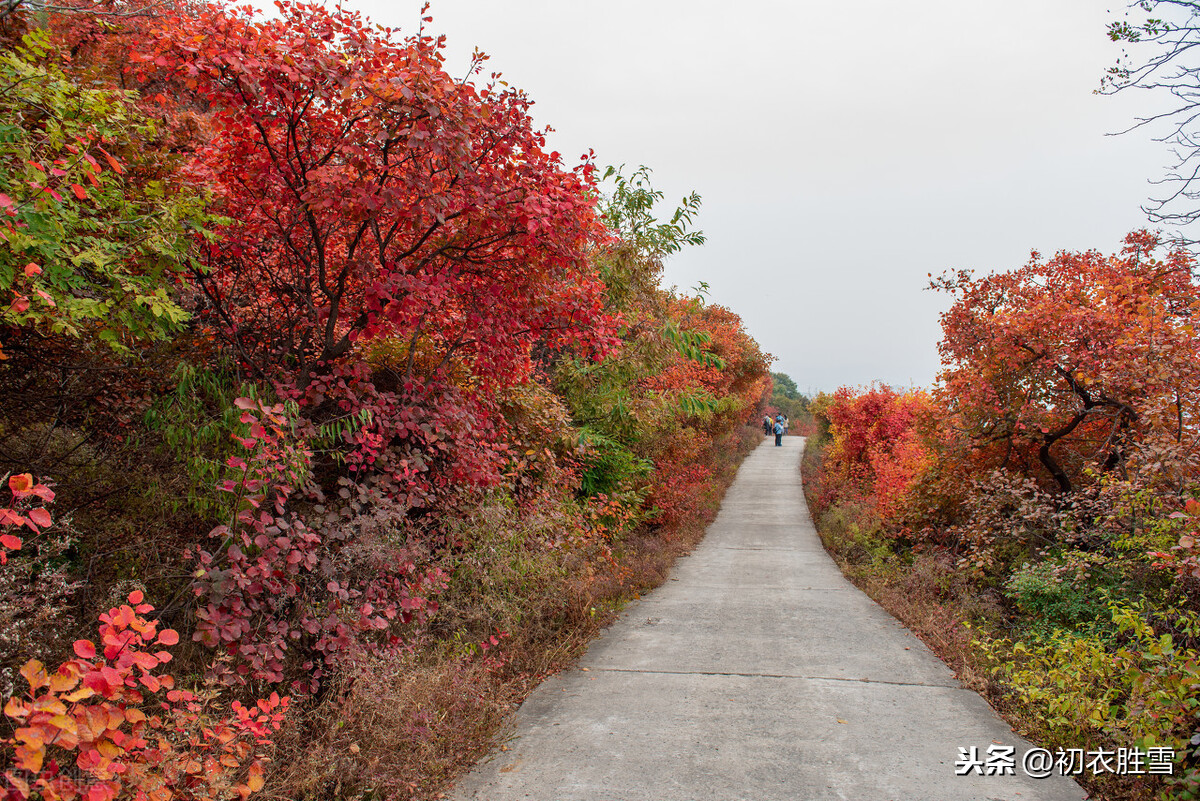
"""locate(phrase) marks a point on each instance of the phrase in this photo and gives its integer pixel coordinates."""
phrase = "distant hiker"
(767, 424)
(786, 423)
(779, 429)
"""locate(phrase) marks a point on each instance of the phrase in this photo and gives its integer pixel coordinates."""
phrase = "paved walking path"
(757, 673)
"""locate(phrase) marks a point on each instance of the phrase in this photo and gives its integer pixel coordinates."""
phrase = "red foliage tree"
(878, 443)
(375, 196)
(716, 374)
(1069, 362)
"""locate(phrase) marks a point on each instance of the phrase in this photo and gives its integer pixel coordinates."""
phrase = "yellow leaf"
(255, 780)
(61, 682)
(35, 673)
(31, 757)
(64, 722)
(49, 703)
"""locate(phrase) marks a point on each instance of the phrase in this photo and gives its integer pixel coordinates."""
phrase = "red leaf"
(144, 660)
(85, 649)
(96, 681)
(79, 191)
(113, 163)
(40, 516)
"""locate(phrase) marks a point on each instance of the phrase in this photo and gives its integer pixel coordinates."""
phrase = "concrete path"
(757, 673)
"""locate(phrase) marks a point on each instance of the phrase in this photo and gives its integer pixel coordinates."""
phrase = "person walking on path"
(766, 424)
(779, 433)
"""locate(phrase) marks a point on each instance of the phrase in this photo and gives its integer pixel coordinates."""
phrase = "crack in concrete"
(741, 588)
(776, 676)
(719, 526)
(753, 548)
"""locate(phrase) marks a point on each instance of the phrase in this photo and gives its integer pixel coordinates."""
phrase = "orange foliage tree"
(1080, 361)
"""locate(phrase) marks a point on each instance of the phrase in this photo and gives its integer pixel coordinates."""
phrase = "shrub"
(92, 711)
(1069, 590)
(278, 585)
(1141, 691)
(87, 243)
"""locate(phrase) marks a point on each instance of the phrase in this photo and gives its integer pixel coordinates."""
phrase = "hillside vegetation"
(336, 411)
(1035, 515)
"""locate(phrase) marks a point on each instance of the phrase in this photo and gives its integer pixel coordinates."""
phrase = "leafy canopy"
(92, 228)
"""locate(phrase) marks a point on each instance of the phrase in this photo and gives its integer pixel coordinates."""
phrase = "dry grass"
(396, 726)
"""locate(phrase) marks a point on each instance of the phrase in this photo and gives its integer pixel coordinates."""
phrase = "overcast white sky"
(843, 150)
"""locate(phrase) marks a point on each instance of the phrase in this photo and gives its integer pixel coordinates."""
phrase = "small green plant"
(1066, 591)
(854, 533)
(609, 466)
(1139, 691)
(197, 423)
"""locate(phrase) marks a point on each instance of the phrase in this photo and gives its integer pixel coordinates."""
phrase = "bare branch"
(1168, 43)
